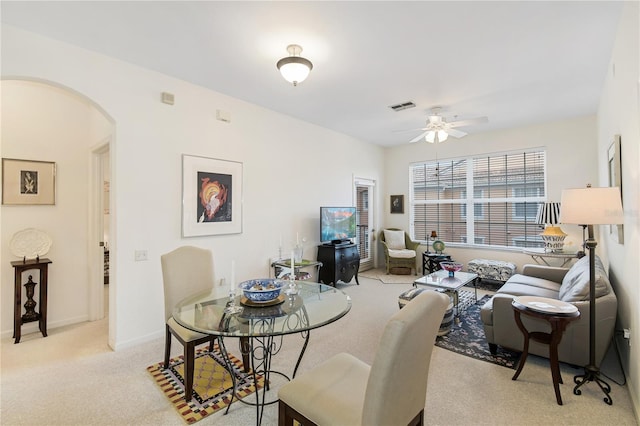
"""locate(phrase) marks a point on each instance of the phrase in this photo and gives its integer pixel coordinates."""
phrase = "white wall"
(571, 162)
(619, 113)
(290, 169)
(46, 123)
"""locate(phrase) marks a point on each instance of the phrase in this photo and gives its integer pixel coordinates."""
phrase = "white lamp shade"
(430, 137)
(295, 72)
(436, 136)
(592, 206)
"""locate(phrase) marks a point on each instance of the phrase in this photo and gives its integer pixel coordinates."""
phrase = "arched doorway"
(45, 121)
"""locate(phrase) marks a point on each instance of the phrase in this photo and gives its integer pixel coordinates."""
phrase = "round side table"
(559, 314)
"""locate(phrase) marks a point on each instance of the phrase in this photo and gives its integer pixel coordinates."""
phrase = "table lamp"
(553, 236)
(592, 206)
(432, 238)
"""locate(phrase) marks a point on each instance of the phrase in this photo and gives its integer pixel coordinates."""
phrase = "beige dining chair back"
(392, 391)
(185, 271)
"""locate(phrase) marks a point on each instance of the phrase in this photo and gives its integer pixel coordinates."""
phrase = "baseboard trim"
(32, 327)
(118, 346)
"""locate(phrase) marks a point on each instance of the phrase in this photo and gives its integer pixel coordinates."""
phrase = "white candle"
(233, 272)
(297, 239)
(293, 271)
(280, 242)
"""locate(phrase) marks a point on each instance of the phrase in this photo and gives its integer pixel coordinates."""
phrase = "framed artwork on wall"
(615, 179)
(211, 196)
(397, 204)
(28, 182)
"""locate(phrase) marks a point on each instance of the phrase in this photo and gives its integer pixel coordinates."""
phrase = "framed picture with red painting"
(211, 196)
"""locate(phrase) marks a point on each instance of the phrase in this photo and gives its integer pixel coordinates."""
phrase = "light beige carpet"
(381, 275)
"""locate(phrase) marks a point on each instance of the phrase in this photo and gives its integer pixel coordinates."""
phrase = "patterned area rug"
(212, 384)
(467, 338)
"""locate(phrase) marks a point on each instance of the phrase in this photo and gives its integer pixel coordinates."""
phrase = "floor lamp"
(592, 206)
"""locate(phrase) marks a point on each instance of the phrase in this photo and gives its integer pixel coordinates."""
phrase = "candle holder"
(292, 287)
(297, 253)
(232, 307)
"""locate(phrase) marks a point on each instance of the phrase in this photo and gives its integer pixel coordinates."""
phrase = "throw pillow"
(575, 285)
(394, 239)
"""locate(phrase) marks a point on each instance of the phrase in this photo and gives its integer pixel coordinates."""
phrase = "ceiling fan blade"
(456, 133)
(417, 138)
(469, 122)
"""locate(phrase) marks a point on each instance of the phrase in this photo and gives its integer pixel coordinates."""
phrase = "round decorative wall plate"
(438, 246)
(30, 243)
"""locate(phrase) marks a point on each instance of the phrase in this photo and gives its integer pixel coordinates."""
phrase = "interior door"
(364, 191)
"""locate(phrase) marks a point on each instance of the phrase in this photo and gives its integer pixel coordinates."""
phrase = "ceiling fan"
(438, 129)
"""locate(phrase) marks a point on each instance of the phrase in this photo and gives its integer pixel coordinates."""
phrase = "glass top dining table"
(261, 329)
(314, 306)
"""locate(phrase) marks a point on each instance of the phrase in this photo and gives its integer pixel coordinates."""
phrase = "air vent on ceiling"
(404, 105)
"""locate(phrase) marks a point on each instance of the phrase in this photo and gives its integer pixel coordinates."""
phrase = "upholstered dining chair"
(185, 271)
(392, 391)
(399, 249)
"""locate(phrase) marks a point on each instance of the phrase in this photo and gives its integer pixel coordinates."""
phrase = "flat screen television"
(337, 224)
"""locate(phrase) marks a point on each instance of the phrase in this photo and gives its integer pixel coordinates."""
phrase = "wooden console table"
(30, 314)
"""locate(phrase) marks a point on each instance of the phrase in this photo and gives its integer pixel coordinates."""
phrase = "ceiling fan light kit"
(438, 129)
(434, 136)
(294, 68)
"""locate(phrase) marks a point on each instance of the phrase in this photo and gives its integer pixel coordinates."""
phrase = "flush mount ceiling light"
(294, 68)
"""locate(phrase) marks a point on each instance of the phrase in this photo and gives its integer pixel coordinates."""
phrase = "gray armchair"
(399, 252)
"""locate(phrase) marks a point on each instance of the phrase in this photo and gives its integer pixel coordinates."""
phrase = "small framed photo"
(211, 196)
(397, 204)
(28, 182)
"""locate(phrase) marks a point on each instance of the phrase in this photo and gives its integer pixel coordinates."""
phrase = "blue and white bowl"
(261, 290)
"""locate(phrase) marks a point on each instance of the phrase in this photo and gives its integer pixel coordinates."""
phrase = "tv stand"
(340, 262)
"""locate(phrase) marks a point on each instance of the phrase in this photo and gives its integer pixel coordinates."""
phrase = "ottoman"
(447, 320)
(495, 270)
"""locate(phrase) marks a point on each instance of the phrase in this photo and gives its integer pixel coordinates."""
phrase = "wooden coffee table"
(441, 279)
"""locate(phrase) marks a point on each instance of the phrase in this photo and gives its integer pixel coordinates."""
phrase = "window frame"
(538, 169)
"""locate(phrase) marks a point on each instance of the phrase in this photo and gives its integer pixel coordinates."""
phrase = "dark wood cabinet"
(339, 263)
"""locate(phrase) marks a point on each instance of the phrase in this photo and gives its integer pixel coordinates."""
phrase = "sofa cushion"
(518, 289)
(575, 285)
(394, 239)
(402, 254)
(534, 282)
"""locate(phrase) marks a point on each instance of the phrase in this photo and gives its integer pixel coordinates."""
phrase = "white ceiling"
(517, 63)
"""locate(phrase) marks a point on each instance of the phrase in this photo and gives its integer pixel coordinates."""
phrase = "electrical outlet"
(141, 255)
(626, 333)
